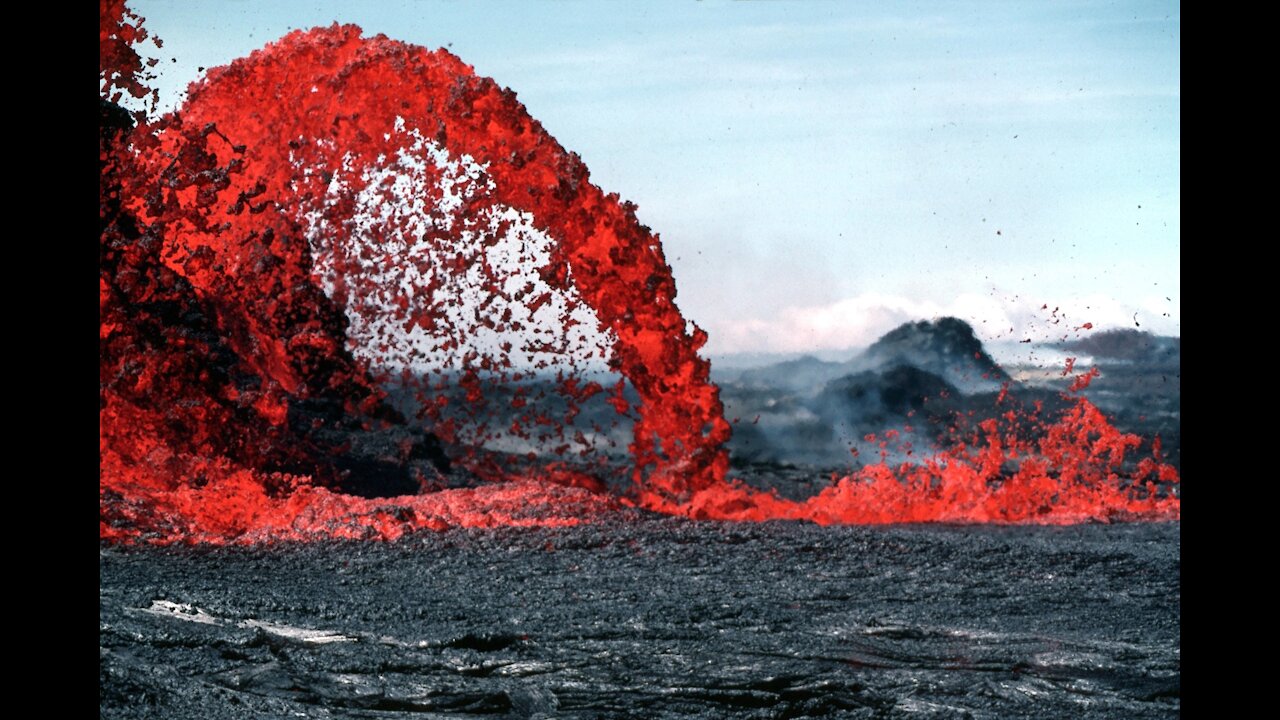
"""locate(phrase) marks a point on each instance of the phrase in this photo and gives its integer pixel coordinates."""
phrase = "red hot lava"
(334, 210)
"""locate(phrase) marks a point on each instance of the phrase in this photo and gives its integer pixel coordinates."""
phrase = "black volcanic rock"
(945, 347)
(1129, 345)
(605, 620)
(875, 399)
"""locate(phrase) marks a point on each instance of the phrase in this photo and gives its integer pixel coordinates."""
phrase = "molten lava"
(334, 214)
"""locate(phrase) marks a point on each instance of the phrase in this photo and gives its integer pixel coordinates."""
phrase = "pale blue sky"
(820, 171)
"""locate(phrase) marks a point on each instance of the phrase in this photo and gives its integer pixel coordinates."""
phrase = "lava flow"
(348, 271)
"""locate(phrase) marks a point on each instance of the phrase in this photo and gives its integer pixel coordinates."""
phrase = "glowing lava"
(335, 211)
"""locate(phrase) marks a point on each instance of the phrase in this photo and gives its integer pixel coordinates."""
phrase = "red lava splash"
(337, 213)
(1067, 470)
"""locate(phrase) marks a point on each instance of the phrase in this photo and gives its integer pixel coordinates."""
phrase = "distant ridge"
(1130, 345)
(945, 347)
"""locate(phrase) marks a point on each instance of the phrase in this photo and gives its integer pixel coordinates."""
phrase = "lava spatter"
(1016, 467)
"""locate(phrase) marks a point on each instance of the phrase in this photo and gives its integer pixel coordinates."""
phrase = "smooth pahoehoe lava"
(336, 211)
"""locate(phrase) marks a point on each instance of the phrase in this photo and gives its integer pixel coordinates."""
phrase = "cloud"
(858, 321)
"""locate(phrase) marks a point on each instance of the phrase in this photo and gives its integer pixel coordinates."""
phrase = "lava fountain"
(336, 215)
